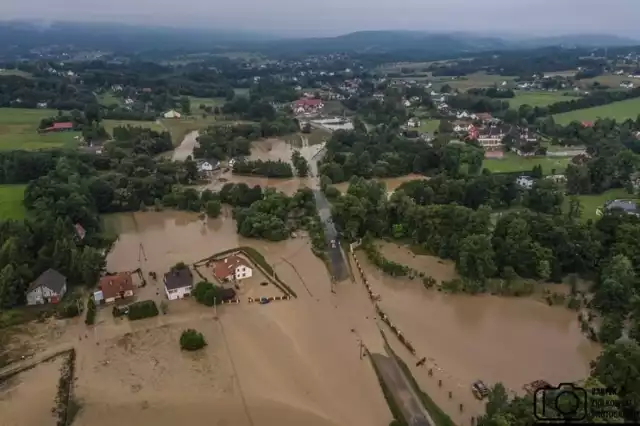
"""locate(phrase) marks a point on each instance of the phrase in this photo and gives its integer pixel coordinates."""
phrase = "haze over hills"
(119, 37)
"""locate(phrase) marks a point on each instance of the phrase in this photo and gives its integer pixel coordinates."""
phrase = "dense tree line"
(141, 140)
(384, 153)
(56, 93)
(492, 92)
(276, 169)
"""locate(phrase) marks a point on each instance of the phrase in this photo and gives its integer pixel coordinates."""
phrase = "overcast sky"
(332, 17)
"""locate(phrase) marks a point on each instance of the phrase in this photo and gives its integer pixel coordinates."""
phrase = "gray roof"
(51, 279)
(178, 278)
(626, 205)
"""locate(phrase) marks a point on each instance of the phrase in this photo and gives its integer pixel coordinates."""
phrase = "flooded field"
(392, 183)
(27, 398)
(186, 147)
(510, 340)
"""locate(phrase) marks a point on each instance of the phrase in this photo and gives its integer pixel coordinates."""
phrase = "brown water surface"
(391, 183)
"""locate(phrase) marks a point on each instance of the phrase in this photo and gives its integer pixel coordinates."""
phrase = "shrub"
(191, 340)
(69, 309)
(143, 309)
(91, 312)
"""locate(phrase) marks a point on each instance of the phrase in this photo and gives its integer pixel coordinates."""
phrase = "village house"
(626, 85)
(525, 148)
(627, 206)
(208, 166)
(172, 114)
(525, 182)
(307, 106)
(114, 287)
(128, 101)
(42, 105)
(491, 138)
(49, 287)
(178, 283)
(58, 127)
(413, 122)
(485, 117)
(232, 268)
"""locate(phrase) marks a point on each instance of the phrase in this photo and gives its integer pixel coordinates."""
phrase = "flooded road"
(391, 183)
(495, 339)
(186, 147)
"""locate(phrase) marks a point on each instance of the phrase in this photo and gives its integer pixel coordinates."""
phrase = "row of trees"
(268, 168)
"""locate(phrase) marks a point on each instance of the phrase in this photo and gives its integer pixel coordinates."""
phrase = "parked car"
(479, 389)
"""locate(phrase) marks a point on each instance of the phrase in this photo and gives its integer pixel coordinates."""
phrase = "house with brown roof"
(232, 268)
(114, 287)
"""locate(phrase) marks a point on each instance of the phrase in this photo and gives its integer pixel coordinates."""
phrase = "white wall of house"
(128, 293)
(243, 272)
(178, 293)
(40, 295)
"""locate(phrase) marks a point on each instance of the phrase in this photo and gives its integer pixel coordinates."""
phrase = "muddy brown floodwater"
(392, 183)
(287, 363)
(495, 339)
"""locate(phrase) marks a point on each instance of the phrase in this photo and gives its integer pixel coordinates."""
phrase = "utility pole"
(215, 308)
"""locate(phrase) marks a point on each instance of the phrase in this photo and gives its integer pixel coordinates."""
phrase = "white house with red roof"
(232, 268)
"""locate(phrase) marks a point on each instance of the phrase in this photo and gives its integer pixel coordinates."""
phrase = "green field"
(11, 197)
(16, 73)
(212, 102)
(108, 99)
(109, 125)
(475, 80)
(241, 91)
(591, 203)
(18, 130)
(618, 110)
(515, 163)
(428, 126)
(538, 98)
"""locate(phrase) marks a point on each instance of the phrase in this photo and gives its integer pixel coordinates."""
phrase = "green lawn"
(11, 197)
(591, 203)
(212, 102)
(618, 110)
(429, 126)
(537, 98)
(514, 163)
(241, 91)
(108, 99)
(18, 130)
(109, 125)
(475, 80)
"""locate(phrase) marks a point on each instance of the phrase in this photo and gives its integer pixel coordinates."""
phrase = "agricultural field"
(109, 125)
(475, 80)
(610, 80)
(618, 110)
(19, 130)
(515, 163)
(567, 73)
(591, 203)
(5, 72)
(212, 102)
(538, 99)
(181, 127)
(11, 197)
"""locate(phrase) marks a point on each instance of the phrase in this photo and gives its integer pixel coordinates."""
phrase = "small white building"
(525, 182)
(172, 114)
(413, 122)
(207, 166)
(178, 283)
(49, 287)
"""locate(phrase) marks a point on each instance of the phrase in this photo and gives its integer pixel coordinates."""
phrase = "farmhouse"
(49, 287)
(208, 166)
(113, 287)
(172, 114)
(413, 122)
(491, 138)
(628, 207)
(178, 283)
(525, 182)
(307, 106)
(232, 268)
(59, 127)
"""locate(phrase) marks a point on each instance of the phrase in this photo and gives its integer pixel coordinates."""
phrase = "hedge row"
(142, 309)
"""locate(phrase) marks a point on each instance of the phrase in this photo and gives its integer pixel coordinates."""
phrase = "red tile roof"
(112, 285)
(308, 102)
(66, 125)
(226, 267)
(587, 124)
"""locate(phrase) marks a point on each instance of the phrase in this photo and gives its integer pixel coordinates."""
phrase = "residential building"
(627, 206)
(232, 268)
(42, 105)
(49, 287)
(208, 166)
(626, 85)
(489, 138)
(525, 182)
(114, 287)
(484, 116)
(307, 106)
(413, 122)
(172, 114)
(178, 283)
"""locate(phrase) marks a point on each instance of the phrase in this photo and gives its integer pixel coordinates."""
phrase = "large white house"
(178, 283)
(232, 268)
(172, 114)
(49, 287)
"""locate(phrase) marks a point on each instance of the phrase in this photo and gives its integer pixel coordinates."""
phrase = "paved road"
(339, 268)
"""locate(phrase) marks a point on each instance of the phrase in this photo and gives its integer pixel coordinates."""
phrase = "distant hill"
(579, 40)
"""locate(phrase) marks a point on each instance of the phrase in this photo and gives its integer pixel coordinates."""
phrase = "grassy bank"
(591, 203)
(11, 206)
(620, 111)
(19, 130)
(538, 99)
(396, 412)
(515, 163)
